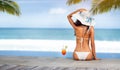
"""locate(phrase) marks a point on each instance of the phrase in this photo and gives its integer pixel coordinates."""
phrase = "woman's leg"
(90, 56)
(75, 56)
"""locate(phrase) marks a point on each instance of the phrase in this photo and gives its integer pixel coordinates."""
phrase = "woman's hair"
(78, 23)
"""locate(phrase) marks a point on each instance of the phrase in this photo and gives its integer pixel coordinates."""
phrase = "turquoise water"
(55, 34)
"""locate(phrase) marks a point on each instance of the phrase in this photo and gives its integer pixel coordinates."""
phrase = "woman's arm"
(92, 42)
(70, 15)
(70, 19)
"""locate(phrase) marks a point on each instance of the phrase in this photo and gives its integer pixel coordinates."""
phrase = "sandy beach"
(52, 63)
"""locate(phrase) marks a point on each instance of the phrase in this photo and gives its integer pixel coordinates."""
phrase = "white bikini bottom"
(82, 55)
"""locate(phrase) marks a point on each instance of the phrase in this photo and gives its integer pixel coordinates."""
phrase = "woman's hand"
(78, 10)
(97, 59)
(81, 9)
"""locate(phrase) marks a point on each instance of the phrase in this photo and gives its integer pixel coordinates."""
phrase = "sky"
(53, 14)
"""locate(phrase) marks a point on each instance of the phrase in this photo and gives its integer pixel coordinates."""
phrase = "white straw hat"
(85, 18)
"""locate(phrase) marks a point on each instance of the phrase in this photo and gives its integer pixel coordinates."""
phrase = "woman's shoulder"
(91, 29)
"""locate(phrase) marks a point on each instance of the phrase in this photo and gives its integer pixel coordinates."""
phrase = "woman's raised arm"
(70, 17)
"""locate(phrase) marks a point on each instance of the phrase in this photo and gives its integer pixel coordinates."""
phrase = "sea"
(55, 34)
(48, 42)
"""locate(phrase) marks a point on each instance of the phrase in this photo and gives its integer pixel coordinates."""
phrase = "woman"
(84, 31)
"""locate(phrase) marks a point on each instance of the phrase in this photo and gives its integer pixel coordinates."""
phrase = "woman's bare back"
(82, 41)
(82, 38)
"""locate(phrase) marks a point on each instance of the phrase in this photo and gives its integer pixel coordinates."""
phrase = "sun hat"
(84, 17)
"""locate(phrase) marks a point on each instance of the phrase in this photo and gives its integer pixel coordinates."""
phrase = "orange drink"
(64, 50)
